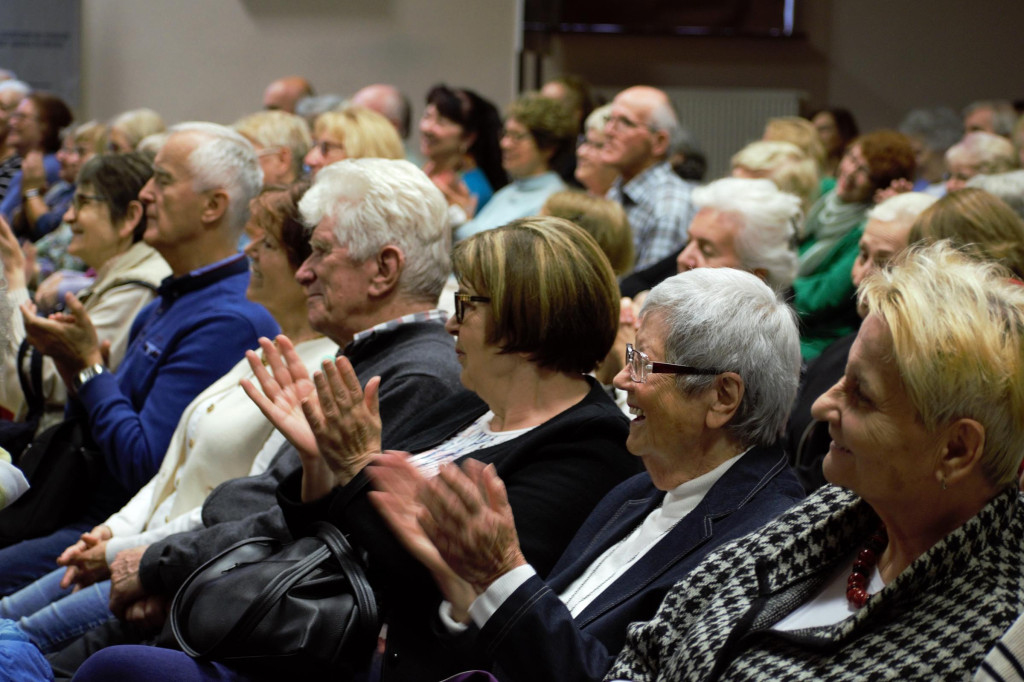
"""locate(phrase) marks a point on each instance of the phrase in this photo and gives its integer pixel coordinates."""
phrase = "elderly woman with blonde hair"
(910, 566)
(785, 164)
(982, 224)
(352, 133)
(127, 130)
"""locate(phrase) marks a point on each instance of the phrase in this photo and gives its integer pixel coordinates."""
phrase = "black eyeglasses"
(79, 200)
(640, 366)
(460, 304)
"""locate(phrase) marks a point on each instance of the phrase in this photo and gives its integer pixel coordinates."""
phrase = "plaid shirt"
(426, 316)
(657, 203)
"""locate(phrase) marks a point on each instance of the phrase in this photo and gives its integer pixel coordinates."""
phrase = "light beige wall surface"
(211, 59)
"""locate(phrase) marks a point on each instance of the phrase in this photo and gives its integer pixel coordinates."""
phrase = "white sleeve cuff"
(486, 604)
(450, 624)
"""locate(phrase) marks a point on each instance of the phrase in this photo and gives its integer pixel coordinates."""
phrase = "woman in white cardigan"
(197, 459)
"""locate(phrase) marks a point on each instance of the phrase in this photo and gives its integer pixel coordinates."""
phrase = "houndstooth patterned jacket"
(936, 620)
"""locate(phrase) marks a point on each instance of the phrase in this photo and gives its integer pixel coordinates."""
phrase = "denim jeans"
(23, 562)
(52, 616)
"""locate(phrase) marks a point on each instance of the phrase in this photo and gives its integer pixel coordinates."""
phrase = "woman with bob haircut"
(707, 429)
(910, 566)
(537, 306)
(352, 133)
(979, 223)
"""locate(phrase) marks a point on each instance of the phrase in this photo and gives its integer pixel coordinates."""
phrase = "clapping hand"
(68, 337)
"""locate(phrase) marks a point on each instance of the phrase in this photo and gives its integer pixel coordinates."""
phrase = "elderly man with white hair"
(979, 152)
(380, 257)
(641, 131)
(197, 203)
(742, 223)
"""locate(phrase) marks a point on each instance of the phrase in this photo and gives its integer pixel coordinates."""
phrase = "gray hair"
(1007, 186)
(664, 119)
(989, 153)
(314, 105)
(940, 128)
(20, 87)
(730, 320)
(223, 159)
(1004, 116)
(598, 118)
(902, 207)
(770, 217)
(376, 202)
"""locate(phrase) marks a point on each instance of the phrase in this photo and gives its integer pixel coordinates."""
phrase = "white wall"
(210, 59)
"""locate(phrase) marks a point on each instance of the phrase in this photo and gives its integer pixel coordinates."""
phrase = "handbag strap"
(259, 606)
(31, 386)
(346, 558)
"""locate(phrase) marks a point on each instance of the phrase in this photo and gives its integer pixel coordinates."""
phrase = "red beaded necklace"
(860, 576)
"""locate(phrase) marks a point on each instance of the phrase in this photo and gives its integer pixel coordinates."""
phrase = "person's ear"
(962, 453)
(215, 206)
(132, 217)
(389, 264)
(660, 143)
(727, 394)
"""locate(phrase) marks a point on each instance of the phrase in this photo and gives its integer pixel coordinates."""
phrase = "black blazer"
(533, 636)
(554, 474)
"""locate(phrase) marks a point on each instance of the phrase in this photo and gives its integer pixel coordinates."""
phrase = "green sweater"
(825, 299)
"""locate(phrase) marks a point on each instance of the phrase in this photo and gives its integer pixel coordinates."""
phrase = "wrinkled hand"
(897, 186)
(33, 174)
(344, 419)
(48, 291)
(285, 386)
(125, 585)
(68, 337)
(398, 485)
(12, 257)
(149, 614)
(471, 523)
(86, 559)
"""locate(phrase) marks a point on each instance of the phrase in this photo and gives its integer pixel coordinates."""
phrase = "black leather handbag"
(304, 607)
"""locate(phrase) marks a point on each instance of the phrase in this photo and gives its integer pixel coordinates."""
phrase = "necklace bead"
(857, 584)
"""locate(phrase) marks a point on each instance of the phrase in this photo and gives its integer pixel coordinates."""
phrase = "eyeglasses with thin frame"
(624, 123)
(78, 200)
(461, 299)
(325, 147)
(640, 366)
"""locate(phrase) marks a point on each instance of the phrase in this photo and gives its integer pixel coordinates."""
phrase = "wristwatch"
(87, 374)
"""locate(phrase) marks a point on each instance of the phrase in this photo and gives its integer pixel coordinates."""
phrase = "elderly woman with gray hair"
(910, 566)
(710, 382)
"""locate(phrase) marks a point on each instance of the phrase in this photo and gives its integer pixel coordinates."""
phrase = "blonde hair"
(785, 164)
(137, 124)
(278, 129)
(982, 224)
(957, 328)
(800, 132)
(365, 133)
(605, 220)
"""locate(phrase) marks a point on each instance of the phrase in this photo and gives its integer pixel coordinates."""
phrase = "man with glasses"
(639, 136)
(380, 256)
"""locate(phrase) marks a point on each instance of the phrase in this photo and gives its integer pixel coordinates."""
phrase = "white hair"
(987, 152)
(598, 118)
(903, 207)
(20, 87)
(1007, 186)
(376, 202)
(731, 321)
(223, 159)
(767, 239)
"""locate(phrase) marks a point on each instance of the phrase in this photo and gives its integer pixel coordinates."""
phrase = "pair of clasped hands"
(458, 524)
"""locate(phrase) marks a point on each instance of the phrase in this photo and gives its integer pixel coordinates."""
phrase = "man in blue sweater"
(199, 326)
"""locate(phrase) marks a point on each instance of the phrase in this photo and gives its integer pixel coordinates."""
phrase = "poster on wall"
(40, 41)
